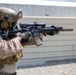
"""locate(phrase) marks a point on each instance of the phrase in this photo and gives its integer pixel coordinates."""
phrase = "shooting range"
(57, 47)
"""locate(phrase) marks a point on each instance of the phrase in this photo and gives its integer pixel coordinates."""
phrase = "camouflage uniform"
(8, 19)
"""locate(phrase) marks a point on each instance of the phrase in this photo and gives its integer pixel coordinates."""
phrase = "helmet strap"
(6, 33)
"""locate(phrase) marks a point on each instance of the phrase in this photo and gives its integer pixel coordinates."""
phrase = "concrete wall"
(57, 47)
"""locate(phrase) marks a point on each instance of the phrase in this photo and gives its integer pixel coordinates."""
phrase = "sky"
(41, 2)
(34, 1)
(62, 0)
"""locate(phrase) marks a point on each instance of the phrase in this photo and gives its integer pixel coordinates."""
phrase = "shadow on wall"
(50, 63)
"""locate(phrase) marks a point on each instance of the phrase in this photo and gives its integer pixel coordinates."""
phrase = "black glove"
(54, 31)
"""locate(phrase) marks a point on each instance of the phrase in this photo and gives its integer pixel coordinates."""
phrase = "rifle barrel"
(66, 30)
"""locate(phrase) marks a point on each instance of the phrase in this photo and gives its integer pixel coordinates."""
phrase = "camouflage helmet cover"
(9, 15)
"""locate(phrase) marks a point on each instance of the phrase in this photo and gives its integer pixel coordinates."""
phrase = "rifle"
(35, 29)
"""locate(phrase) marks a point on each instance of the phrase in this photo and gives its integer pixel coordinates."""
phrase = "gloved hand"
(54, 31)
(25, 37)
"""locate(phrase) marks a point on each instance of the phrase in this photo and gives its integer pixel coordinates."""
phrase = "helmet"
(8, 17)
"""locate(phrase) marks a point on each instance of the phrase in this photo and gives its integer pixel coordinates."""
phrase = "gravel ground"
(63, 67)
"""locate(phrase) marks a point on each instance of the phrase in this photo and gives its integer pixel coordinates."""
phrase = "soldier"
(8, 20)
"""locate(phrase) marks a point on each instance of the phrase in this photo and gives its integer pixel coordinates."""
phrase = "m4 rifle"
(35, 30)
